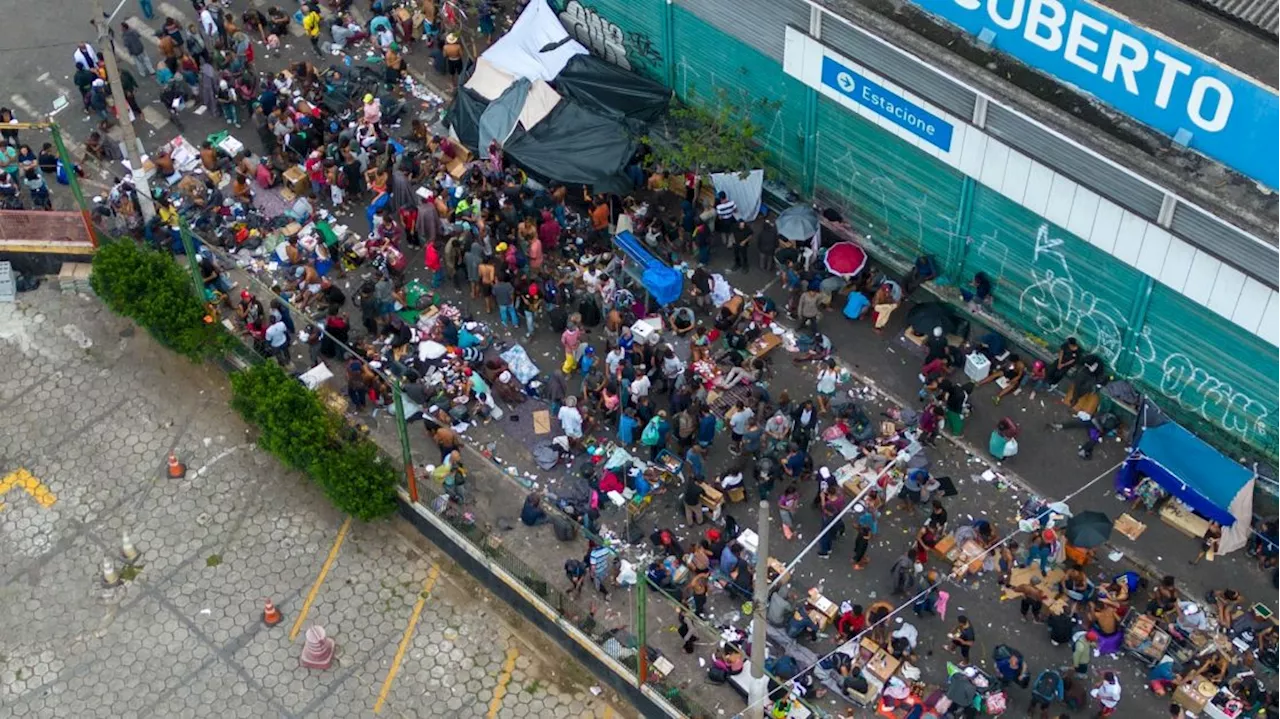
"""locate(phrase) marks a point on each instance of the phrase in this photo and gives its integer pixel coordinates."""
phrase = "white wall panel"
(1177, 263)
(1252, 303)
(1106, 226)
(1129, 238)
(1155, 245)
(1084, 208)
(975, 147)
(994, 164)
(1226, 291)
(1062, 192)
(1017, 171)
(1269, 328)
(1039, 184)
(1204, 272)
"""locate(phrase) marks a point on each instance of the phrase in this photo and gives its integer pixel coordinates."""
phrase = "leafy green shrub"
(148, 287)
(296, 427)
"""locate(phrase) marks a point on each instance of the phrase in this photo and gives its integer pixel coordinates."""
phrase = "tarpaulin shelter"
(1210, 483)
(663, 283)
(602, 87)
(559, 113)
(744, 189)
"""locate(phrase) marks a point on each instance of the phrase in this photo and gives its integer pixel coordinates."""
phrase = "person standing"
(692, 501)
(311, 24)
(741, 245)
(962, 638)
(725, 210)
(1107, 693)
(137, 50)
(452, 51)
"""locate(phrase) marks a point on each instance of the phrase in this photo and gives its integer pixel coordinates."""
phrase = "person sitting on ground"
(801, 626)
(1226, 603)
(532, 514)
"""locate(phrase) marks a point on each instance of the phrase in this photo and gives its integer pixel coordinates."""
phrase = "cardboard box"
(295, 179)
(456, 168)
(1129, 527)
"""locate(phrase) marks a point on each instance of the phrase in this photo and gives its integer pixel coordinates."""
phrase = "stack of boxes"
(74, 278)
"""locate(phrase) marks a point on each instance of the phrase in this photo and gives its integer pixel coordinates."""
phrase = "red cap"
(244, 294)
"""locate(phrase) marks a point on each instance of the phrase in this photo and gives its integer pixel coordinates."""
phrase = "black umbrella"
(1088, 529)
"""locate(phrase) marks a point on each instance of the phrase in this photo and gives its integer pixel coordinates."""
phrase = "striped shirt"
(725, 209)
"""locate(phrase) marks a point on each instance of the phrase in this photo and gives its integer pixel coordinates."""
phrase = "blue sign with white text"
(1161, 84)
(886, 103)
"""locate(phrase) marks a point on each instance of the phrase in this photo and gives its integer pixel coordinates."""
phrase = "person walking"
(311, 24)
(137, 50)
(962, 639)
(1107, 692)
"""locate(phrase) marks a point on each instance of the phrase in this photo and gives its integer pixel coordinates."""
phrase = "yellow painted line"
(500, 691)
(608, 712)
(24, 480)
(315, 588)
(427, 586)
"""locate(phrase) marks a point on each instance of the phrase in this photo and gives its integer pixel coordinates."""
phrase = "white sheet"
(541, 100)
(520, 51)
(744, 191)
(489, 81)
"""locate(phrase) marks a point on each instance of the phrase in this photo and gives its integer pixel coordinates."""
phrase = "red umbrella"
(845, 259)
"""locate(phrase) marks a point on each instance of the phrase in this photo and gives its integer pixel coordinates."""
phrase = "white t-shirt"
(277, 334)
(640, 386)
(1108, 693)
(571, 421)
(739, 421)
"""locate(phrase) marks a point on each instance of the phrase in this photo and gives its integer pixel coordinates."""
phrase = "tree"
(716, 136)
(148, 287)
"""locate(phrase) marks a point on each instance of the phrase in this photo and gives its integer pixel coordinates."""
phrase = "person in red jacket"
(851, 622)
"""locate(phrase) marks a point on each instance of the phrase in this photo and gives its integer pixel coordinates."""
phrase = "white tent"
(541, 100)
(488, 80)
(536, 47)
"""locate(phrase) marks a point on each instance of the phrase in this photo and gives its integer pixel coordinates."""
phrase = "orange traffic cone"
(270, 615)
(176, 468)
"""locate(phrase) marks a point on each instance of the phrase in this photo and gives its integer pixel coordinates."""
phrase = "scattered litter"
(596, 691)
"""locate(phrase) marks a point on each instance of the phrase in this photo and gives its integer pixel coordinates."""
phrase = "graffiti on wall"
(1062, 308)
(900, 210)
(628, 50)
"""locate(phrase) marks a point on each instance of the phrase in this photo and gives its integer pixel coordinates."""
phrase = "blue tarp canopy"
(664, 284)
(1213, 485)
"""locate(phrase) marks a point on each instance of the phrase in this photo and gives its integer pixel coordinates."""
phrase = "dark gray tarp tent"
(576, 146)
(607, 89)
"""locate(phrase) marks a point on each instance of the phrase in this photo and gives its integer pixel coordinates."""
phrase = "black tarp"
(605, 88)
(464, 116)
(576, 146)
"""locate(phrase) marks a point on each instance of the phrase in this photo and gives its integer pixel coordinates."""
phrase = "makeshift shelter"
(606, 89)
(663, 283)
(1211, 484)
(559, 113)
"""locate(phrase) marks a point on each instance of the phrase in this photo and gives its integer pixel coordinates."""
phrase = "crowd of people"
(504, 258)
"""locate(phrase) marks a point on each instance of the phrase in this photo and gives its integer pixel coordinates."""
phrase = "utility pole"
(131, 147)
(759, 612)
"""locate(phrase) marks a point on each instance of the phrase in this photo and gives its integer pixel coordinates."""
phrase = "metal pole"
(406, 455)
(755, 702)
(101, 22)
(74, 183)
(642, 602)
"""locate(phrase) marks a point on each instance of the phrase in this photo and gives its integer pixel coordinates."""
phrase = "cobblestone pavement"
(89, 410)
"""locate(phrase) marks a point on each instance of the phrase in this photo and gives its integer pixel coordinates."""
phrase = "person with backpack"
(655, 434)
(1011, 668)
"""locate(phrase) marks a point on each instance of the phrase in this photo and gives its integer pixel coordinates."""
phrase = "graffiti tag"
(605, 38)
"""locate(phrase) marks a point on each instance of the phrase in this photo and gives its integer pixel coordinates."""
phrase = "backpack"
(651, 434)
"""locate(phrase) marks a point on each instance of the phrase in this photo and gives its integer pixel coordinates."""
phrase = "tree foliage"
(148, 287)
(296, 427)
(710, 135)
